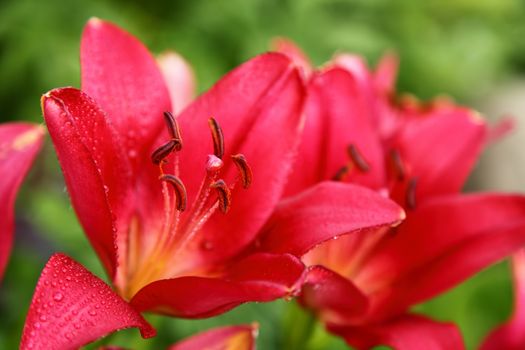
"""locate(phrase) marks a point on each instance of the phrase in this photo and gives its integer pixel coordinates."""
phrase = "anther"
(411, 193)
(341, 173)
(357, 158)
(180, 190)
(224, 194)
(163, 151)
(244, 169)
(217, 136)
(398, 165)
(173, 129)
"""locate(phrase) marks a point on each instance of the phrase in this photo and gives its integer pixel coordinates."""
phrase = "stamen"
(411, 193)
(214, 164)
(244, 169)
(173, 129)
(341, 173)
(180, 190)
(398, 165)
(224, 194)
(357, 158)
(160, 154)
(217, 136)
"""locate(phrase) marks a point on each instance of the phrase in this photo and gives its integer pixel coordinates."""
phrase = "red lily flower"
(167, 211)
(19, 144)
(72, 307)
(363, 285)
(510, 336)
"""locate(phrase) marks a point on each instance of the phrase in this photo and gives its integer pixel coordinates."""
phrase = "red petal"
(337, 116)
(260, 277)
(95, 168)
(323, 212)
(441, 149)
(19, 144)
(259, 108)
(332, 295)
(240, 337)
(71, 307)
(179, 78)
(510, 336)
(290, 49)
(409, 332)
(386, 73)
(124, 79)
(440, 244)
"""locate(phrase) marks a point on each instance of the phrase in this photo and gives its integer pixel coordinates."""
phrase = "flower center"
(183, 221)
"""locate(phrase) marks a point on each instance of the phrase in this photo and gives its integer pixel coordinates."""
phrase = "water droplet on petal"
(58, 296)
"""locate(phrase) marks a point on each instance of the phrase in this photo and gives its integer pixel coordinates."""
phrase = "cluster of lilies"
(281, 181)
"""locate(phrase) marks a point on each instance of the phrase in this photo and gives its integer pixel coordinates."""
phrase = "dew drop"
(43, 318)
(92, 313)
(58, 296)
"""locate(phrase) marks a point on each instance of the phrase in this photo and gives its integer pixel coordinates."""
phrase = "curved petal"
(179, 78)
(441, 149)
(385, 74)
(323, 212)
(258, 106)
(332, 296)
(408, 332)
(19, 144)
(337, 116)
(95, 168)
(241, 337)
(510, 336)
(124, 79)
(71, 307)
(290, 49)
(440, 244)
(259, 277)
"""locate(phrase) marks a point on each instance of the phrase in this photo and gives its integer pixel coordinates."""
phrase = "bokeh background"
(472, 50)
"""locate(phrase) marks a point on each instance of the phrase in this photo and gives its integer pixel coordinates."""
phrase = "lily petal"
(440, 244)
(408, 332)
(290, 49)
(259, 277)
(510, 336)
(241, 337)
(441, 149)
(325, 211)
(71, 307)
(95, 168)
(19, 144)
(259, 108)
(179, 78)
(337, 116)
(332, 295)
(124, 79)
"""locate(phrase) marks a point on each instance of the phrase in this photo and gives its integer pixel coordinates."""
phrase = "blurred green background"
(460, 47)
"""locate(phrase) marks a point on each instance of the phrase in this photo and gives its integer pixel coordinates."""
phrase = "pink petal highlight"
(179, 78)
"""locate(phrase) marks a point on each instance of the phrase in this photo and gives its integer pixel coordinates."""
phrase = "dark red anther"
(181, 197)
(224, 195)
(357, 158)
(411, 193)
(217, 136)
(244, 169)
(341, 173)
(173, 129)
(397, 163)
(163, 151)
